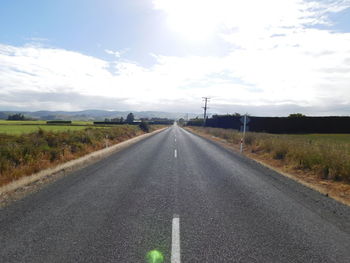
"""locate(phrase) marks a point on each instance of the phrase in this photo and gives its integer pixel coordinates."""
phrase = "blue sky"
(91, 26)
(268, 57)
(86, 26)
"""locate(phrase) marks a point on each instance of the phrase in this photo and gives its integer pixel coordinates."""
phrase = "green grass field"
(82, 123)
(25, 127)
(22, 129)
(5, 122)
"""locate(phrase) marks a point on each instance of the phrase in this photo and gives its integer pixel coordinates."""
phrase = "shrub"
(249, 139)
(54, 155)
(280, 154)
(144, 126)
(28, 153)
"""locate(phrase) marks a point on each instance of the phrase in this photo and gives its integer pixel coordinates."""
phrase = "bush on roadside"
(249, 139)
(280, 154)
(28, 153)
(144, 126)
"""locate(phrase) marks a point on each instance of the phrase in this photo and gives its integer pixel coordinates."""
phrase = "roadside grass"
(331, 138)
(28, 153)
(327, 156)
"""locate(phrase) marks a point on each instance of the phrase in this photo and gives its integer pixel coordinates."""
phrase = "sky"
(264, 58)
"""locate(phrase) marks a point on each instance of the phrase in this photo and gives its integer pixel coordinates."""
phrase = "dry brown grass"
(319, 161)
(30, 153)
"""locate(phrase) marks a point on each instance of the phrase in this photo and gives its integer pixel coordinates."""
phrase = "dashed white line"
(175, 139)
(175, 240)
(175, 153)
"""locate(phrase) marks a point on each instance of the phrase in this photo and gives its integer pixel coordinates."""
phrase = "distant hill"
(95, 115)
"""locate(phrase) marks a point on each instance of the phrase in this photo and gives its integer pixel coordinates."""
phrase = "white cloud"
(297, 75)
(276, 61)
(198, 18)
(251, 15)
(276, 48)
(114, 53)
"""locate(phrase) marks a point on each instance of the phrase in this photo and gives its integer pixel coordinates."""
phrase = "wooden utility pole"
(205, 99)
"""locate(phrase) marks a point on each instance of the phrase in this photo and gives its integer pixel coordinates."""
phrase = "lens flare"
(154, 256)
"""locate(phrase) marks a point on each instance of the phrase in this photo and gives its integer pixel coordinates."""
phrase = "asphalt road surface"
(187, 197)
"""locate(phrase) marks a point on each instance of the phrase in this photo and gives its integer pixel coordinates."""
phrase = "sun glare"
(195, 19)
(201, 19)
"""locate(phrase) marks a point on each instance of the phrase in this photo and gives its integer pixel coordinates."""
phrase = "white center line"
(175, 139)
(175, 153)
(175, 240)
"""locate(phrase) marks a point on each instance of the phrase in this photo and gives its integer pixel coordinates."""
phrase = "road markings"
(175, 153)
(175, 139)
(175, 240)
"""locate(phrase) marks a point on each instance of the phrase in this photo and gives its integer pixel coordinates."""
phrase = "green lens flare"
(154, 256)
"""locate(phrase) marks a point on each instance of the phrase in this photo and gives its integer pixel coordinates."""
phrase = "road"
(185, 196)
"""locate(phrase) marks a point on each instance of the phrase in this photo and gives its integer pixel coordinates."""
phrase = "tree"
(115, 120)
(130, 118)
(181, 121)
(144, 126)
(296, 115)
(16, 117)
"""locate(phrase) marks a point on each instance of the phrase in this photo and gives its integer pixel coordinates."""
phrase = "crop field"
(22, 129)
(5, 122)
(325, 155)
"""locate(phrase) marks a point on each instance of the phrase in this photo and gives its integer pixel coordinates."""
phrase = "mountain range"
(95, 115)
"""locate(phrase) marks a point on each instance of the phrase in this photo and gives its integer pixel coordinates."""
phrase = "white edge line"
(175, 240)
